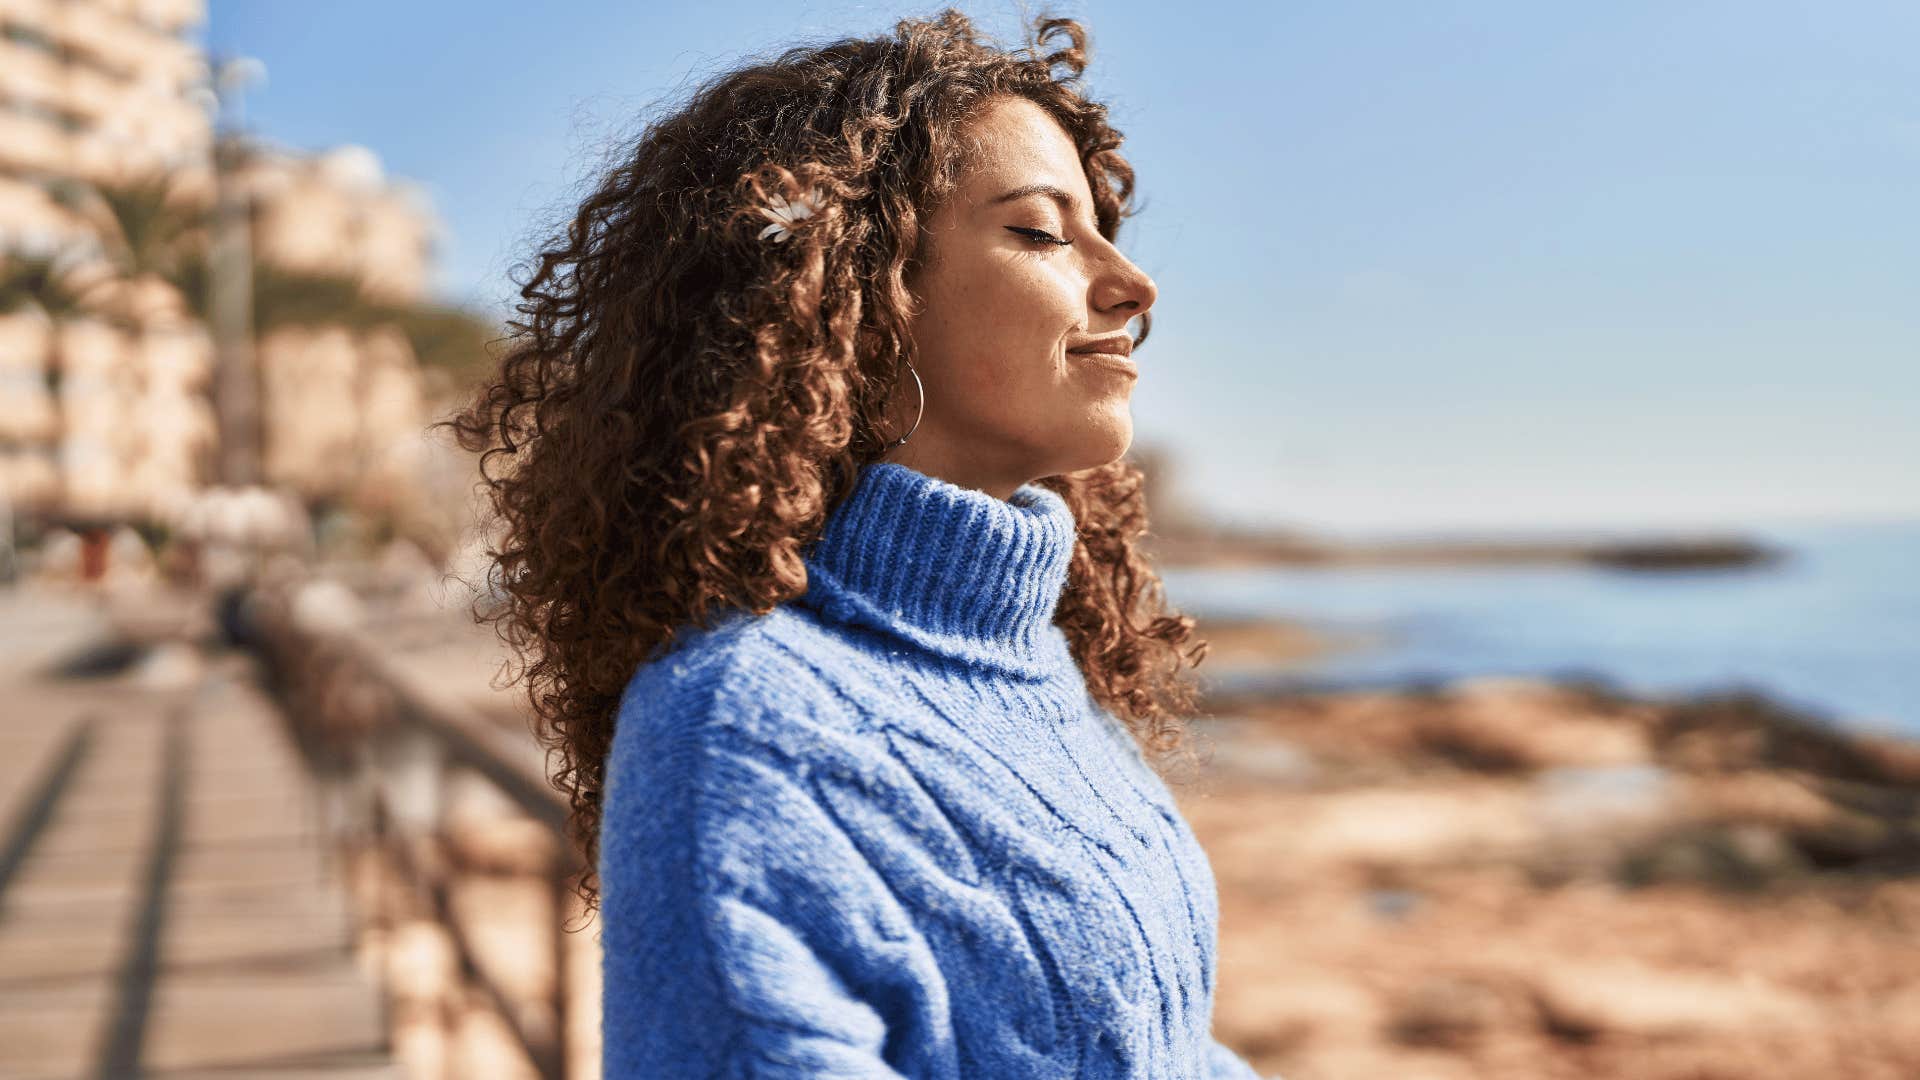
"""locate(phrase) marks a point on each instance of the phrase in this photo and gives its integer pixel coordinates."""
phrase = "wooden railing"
(385, 753)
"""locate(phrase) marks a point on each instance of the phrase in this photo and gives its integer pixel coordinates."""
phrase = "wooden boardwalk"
(168, 906)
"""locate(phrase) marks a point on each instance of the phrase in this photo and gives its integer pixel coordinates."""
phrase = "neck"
(924, 457)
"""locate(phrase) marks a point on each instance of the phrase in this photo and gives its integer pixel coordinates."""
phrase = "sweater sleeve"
(745, 934)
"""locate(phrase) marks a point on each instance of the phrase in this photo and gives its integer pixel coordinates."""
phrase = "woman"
(821, 554)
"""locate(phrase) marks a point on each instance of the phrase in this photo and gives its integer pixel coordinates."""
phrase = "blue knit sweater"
(886, 831)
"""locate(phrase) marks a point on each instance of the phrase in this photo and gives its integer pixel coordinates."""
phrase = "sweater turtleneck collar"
(955, 570)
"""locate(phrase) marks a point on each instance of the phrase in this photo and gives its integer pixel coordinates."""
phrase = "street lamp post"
(238, 520)
(230, 269)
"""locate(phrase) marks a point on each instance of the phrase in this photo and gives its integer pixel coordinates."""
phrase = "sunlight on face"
(1003, 304)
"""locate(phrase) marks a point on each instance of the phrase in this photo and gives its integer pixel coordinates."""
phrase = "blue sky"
(1491, 266)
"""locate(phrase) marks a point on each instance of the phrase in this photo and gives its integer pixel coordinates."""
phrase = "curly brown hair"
(683, 404)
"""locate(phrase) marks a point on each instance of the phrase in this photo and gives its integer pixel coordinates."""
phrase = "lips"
(1111, 361)
(1119, 345)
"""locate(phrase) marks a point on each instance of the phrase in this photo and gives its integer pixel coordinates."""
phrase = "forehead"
(1015, 143)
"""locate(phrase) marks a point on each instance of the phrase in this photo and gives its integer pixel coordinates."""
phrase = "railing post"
(559, 879)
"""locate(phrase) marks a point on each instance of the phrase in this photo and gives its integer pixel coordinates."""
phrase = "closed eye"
(1040, 236)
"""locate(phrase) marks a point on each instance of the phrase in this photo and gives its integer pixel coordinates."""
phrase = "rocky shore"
(1217, 548)
(1518, 878)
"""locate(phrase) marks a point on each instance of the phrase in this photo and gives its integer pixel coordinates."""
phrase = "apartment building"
(105, 407)
(343, 407)
(93, 417)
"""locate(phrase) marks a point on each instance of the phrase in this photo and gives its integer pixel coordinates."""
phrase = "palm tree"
(52, 285)
(152, 229)
(148, 226)
(283, 297)
(58, 287)
(141, 229)
(155, 231)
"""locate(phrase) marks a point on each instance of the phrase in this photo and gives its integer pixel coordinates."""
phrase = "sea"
(1832, 627)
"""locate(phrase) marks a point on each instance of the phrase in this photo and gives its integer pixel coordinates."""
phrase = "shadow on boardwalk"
(168, 904)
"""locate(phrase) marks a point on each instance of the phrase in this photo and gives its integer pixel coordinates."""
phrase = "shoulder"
(741, 672)
(774, 687)
(700, 668)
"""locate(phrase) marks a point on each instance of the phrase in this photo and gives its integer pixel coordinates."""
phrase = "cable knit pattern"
(886, 831)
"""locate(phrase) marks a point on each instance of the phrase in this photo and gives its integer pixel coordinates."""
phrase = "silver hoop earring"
(921, 390)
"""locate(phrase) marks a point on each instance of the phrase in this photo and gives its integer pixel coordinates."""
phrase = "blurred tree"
(155, 229)
(152, 251)
(450, 340)
(147, 225)
(56, 286)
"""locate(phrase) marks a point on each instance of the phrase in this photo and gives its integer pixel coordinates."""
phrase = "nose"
(1125, 287)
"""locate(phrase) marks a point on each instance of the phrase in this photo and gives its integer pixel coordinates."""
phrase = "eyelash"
(1040, 236)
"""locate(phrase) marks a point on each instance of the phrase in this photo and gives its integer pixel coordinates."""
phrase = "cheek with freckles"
(1008, 342)
(1035, 316)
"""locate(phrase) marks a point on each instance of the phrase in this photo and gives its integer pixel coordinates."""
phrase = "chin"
(1103, 446)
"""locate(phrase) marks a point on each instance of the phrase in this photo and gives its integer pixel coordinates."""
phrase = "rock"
(1580, 1001)
(1851, 840)
(1743, 730)
(1448, 1011)
(1517, 724)
(1741, 857)
(1681, 553)
(1585, 798)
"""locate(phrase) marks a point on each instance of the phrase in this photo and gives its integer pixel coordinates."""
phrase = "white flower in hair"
(784, 214)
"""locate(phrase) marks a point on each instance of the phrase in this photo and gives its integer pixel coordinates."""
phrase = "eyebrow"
(1064, 198)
